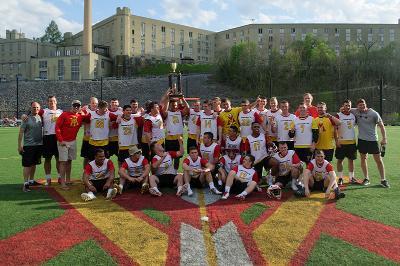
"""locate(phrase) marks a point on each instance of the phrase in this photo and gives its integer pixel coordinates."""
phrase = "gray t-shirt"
(33, 131)
(366, 122)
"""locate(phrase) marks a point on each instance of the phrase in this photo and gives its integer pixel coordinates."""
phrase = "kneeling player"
(135, 169)
(228, 162)
(197, 171)
(319, 175)
(164, 173)
(98, 177)
(242, 179)
(289, 166)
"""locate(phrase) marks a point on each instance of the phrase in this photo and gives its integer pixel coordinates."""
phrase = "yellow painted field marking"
(279, 237)
(208, 240)
(144, 243)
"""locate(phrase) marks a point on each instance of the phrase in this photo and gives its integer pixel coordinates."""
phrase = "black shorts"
(290, 144)
(85, 149)
(305, 154)
(146, 151)
(32, 155)
(171, 145)
(368, 147)
(92, 151)
(50, 146)
(284, 180)
(99, 184)
(122, 155)
(191, 143)
(319, 186)
(113, 148)
(238, 187)
(166, 180)
(328, 154)
(196, 183)
(260, 165)
(346, 151)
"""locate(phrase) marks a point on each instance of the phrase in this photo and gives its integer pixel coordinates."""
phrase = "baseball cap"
(75, 102)
(133, 150)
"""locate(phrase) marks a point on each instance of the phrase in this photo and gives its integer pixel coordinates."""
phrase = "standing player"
(31, 148)
(113, 134)
(302, 133)
(242, 179)
(196, 171)
(209, 122)
(246, 117)
(136, 109)
(324, 131)
(135, 169)
(194, 114)
(346, 142)
(311, 109)
(174, 125)
(289, 167)
(99, 177)
(283, 123)
(164, 173)
(319, 175)
(262, 111)
(229, 116)
(271, 114)
(92, 107)
(216, 105)
(367, 119)
(153, 128)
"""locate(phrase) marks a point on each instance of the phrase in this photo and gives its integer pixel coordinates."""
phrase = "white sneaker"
(111, 193)
(189, 192)
(225, 195)
(215, 191)
(294, 186)
(48, 182)
(120, 188)
(88, 196)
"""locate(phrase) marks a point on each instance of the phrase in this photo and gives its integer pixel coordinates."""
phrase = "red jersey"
(68, 124)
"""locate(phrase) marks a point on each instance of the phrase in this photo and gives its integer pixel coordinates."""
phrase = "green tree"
(52, 34)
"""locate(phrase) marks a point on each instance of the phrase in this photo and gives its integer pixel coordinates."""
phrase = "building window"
(337, 49)
(241, 33)
(348, 35)
(43, 74)
(172, 35)
(303, 36)
(153, 46)
(43, 64)
(172, 50)
(270, 38)
(102, 64)
(260, 31)
(133, 32)
(270, 31)
(77, 51)
(143, 29)
(163, 36)
(67, 52)
(227, 36)
(359, 35)
(281, 31)
(58, 53)
(293, 30)
(336, 32)
(142, 47)
(190, 34)
(163, 52)
(75, 71)
(182, 36)
(60, 70)
(162, 29)
(391, 35)
(190, 52)
(153, 31)
(315, 32)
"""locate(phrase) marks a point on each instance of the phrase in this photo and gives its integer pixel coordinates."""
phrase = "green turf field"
(25, 210)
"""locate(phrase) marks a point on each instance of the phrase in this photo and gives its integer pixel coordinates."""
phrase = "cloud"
(188, 12)
(151, 12)
(221, 4)
(323, 11)
(33, 16)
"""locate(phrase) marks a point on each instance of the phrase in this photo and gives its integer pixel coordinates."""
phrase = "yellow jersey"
(326, 138)
(230, 118)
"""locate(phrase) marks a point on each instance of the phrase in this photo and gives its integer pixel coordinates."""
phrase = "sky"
(33, 16)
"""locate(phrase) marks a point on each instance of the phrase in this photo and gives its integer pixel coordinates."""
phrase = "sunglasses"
(76, 105)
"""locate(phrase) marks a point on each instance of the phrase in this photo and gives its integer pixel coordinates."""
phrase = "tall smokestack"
(87, 27)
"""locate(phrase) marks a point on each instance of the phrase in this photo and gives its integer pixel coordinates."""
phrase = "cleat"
(111, 193)
(353, 181)
(300, 192)
(181, 191)
(385, 183)
(119, 188)
(340, 182)
(48, 182)
(155, 192)
(26, 188)
(225, 195)
(189, 192)
(338, 194)
(240, 197)
(215, 191)
(87, 197)
(365, 182)
(144, 188)
(34, 183)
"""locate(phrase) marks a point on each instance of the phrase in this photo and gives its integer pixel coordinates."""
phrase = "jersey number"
(99, 124)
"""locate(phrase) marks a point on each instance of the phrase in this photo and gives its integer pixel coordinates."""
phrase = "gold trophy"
(175, 87)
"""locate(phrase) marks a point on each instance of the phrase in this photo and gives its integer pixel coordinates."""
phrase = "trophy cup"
(176, 87)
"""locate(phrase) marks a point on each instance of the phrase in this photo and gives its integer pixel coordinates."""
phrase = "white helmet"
(274, 191)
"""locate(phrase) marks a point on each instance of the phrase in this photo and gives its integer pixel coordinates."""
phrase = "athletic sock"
(188, 187)
(227, 189)
(211, 184)
(244, 193)
(219, 182)
(48, 176)
(340, 175)
(179, 188)
(351, 175)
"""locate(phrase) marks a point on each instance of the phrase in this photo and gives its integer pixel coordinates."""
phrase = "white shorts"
(67, 152)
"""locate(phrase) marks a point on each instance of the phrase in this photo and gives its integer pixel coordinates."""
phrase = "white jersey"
(233, 144)
(245, 175)
(284, 124)
(193, 117)
(208, 152)
(49, 120)
(245, 121)
(229, 163)
(166, 167)
(157, 129)
(258, 147)
(272, 115)
(264, 115)
(127, 132)
(99, 172)
(346, 129)
(135, 168)
(86, 126)
(113, 134)
(303, 136)
(285, 163)
(208, 124)
(320, 172)
(99, 126)
(195, 164)
(174, 123)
